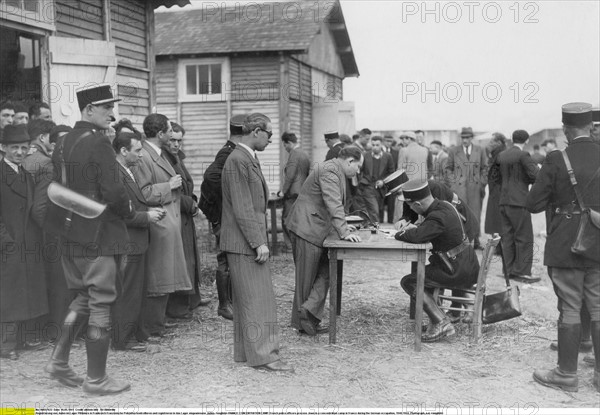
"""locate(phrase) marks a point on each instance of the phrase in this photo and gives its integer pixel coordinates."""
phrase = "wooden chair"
(474, 302)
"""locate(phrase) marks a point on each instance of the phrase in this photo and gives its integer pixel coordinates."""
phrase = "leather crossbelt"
(458, 249)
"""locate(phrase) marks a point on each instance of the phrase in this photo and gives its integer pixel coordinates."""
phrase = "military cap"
(415, 190)
(15, 134)
(236, 124)
(577, 114)
(95, 95)
(596, 115)
(395, 181)
(331, 135)
(466, 132)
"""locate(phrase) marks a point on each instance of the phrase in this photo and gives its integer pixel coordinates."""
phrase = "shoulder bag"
(587, 240)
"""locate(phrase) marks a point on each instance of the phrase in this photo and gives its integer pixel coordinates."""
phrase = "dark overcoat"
(22, 281)
(553, 189)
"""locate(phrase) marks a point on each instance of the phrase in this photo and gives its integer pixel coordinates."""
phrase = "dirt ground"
(373, 364)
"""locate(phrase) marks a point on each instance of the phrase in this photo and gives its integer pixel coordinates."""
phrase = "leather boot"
(586, 329)
(225, 309)
(440, 326)
(595, 333)
(58, 367)
(97, 381)
(565, 375)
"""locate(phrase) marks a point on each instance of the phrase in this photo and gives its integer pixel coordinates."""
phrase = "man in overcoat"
(576, 279)
(166, 269)
(466, 173)
(318, 211)
(22, 281)
(243, 237)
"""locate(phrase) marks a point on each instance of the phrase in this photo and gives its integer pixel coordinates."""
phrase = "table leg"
(419, 302)
(333, 294)
(274, 229)
(340, 275)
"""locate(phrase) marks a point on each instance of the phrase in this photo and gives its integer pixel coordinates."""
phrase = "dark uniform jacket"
(334, 151)
(22, 282)
(442, 192)
(137, 225)
(517, 172)
(92, 170)
(211, 197)
(553, 189)
(442, 228)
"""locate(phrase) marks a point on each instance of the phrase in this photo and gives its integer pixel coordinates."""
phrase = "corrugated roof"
(168, 3)
(253, 27)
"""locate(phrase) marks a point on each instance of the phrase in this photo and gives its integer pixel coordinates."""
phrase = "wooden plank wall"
(81, 19)
(128, 30)
(300, 96)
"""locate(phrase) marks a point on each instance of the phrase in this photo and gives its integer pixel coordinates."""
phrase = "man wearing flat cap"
(517, 171)
(211, 204)
(90, 247)
(576, 278)
(466, 173)
(444, 229)
(22, 283)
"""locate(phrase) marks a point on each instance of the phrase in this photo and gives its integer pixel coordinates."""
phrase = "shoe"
(33, 345)
(62, 372)
(584, 346)
(307, 322)
(320, 329)
(12, 355)
(524, 278)
(589, 360)
(226, 311)
(186, 317)
(454, 316)
(105, 386)
(438, 331)
(557, 379)
(132, 346)
(276, 366)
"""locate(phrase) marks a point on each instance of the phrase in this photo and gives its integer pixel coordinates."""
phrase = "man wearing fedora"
(22, 282)
(90, 247)
(576, 279)
(467, 173)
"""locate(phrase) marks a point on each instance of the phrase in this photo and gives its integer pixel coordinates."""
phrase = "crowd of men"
(117, 259)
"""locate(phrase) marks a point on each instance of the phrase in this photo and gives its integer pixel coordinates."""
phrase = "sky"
(493, 66)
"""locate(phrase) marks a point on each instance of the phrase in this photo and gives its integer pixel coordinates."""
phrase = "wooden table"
(274, 203)
(377, 248)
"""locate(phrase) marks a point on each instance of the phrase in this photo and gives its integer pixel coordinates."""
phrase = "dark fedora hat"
(15, 134)
(236, 124)
(95, 95)
(466, 132)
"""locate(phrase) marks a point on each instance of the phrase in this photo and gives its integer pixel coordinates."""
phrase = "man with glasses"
(244, 239)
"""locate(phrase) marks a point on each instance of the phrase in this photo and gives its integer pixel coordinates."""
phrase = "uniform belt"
(568, 210)
(458, 249)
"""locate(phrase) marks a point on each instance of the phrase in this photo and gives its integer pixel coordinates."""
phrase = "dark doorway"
(20, 66)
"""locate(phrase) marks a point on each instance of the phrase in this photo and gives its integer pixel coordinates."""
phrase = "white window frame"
(225, 80)
(44, 17)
